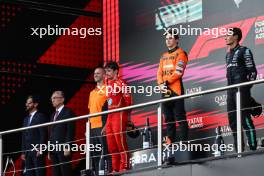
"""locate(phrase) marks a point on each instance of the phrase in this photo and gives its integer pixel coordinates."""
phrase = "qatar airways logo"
(226, 130)
(259, 29)
(221, 100)
(194, 90)
(196, 122)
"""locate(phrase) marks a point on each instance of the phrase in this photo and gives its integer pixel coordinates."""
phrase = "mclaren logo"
(238, 2)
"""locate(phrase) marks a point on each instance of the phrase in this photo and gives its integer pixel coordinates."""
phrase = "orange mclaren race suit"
(170, 72)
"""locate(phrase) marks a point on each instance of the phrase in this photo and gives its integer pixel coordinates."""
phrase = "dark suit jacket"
(63, 132)
(35, 135)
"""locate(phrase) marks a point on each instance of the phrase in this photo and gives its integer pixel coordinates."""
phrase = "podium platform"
(249, 163)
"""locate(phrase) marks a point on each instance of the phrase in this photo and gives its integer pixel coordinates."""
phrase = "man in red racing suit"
(117, 122)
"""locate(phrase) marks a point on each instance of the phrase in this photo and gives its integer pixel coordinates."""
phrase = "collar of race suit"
(172, 50)
(234, 49)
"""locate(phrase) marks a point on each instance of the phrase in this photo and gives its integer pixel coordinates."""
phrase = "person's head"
(99, 74)
(111, 70)
(32, 103)
(57, 99)
(172, 39)
(234, 36)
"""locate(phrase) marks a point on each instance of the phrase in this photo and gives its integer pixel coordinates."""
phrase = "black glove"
(252, 76)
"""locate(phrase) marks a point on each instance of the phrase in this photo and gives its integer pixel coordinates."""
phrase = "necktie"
(29, 119)
(56, 115)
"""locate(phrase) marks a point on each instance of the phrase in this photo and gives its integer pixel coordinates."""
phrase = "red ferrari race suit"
(116, 124)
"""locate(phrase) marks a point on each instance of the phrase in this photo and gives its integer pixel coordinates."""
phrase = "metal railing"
(159, 116)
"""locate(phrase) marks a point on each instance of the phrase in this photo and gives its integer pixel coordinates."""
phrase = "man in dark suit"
(61, 134)
(33, 158)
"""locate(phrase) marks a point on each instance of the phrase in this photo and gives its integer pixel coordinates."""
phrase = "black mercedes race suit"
(241, 68)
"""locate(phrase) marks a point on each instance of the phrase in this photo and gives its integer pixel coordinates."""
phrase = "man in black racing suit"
(240, 68)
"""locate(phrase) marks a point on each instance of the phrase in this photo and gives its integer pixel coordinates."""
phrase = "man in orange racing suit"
(169, 76)
(117, 122)
(97, 103)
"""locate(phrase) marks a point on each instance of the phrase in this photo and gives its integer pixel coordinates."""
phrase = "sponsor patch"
(168, 66)
(109, 101)
(180, 63)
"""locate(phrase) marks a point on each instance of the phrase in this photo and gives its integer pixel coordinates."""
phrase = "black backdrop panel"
(142, 43)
